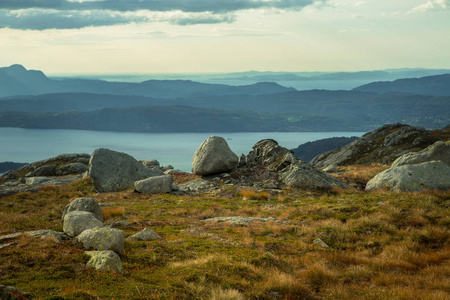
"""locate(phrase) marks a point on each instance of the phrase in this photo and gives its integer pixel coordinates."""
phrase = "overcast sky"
(195, 36)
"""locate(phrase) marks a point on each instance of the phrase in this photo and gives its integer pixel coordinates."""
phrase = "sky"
(218, 36)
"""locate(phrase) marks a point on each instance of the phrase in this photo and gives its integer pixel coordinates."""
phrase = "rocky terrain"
(263, 225)
(382, 146)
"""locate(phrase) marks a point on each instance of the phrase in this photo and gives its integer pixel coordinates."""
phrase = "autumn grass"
(112, 212)
(359, 175)
(250, 194)
(382, 245)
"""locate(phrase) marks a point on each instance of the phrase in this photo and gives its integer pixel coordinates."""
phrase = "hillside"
(316, 245)
(292, 111)
(438, 85)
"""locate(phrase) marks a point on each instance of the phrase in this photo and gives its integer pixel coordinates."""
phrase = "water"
(176, 149)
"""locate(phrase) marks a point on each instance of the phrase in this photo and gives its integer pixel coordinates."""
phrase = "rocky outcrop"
(37, 174)
(265, 153)
(382, 145)
(434, 175)
(59, 160)
(103, 238)
(113, 171)
(76, 222)
(104, 260)
(213, 156)
(145, 235)
(33, 184)
(84, 204)
(154, 185)
(269, 161)
(437, 151)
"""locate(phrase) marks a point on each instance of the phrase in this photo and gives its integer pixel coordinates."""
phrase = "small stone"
(104, 260)
(320, 243)
(238, 220)
(145, 235)
(152, 163)
(122, 223)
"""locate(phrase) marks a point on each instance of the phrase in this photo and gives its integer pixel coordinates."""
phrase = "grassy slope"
(383, 245)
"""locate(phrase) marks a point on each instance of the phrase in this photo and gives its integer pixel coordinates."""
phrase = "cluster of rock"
(267, 162)
(110, 171)
(426, 169)
(83, 221)
(382, 145)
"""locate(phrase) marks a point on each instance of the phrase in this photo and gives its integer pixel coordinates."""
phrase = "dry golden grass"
(359, 175)
(112, 212)
(250, 194)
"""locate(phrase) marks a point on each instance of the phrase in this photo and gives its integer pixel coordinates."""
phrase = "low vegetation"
(382, 245)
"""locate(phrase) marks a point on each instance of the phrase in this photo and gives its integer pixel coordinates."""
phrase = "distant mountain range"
(36, 101)
(16, 80)
(438, 85)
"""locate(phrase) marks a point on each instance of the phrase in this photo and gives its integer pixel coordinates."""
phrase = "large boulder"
(382, 145)
(104, 238)
(113, 171)
(434, 175)
(78, 221)
(104, 260)
(213, 156)
(305, 176)
(153, 185)
(84, 204)
(437, 151)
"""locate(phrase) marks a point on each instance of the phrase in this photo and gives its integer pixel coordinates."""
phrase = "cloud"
(202, 18)
(217, 6)
(40, 19)
(431, 6)
(70, 14)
